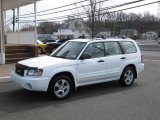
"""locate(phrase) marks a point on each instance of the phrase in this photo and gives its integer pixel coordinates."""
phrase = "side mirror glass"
(85, 56)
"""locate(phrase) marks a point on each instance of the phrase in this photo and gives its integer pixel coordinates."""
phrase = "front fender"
(52, 72)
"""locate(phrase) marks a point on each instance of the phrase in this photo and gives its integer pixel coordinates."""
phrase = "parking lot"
(96, 102)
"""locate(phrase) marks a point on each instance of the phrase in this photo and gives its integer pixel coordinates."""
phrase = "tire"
(127, 77)
(40, 50)
(60, 87)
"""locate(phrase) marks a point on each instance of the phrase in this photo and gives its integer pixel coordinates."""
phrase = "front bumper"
(31, 83)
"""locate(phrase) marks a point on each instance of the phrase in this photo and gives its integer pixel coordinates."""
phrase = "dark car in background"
(48, 41)
(51, 46)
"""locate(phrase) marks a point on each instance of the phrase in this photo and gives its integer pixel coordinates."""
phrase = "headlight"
(35, 72)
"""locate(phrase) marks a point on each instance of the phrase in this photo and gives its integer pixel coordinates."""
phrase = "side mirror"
(85, 56)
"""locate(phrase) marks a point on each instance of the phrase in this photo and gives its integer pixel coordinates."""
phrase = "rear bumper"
(140, 68)
(31, 83)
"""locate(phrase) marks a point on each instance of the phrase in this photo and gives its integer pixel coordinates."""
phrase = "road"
(151, 55)
(107, 101)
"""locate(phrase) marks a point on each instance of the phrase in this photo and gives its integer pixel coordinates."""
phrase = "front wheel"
(127, 77)
(40, 50)
(60, 87)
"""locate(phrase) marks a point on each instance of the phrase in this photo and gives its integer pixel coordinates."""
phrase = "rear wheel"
(127, 77)
(60, 87)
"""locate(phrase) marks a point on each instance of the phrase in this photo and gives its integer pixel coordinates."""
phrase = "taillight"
(141, 58)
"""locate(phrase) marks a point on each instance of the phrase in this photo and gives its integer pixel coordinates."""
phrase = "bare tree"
(27, 27)
(94, 18)
(42, 28)
(47, 27)
(141, 22)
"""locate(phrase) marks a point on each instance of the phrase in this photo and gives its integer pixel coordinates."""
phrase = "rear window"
(128, 47)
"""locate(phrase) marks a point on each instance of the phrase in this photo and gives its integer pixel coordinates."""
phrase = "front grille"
(20, 69)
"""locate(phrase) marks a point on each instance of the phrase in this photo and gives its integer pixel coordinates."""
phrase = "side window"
(95, 50)
(112, 48)
(128, 47)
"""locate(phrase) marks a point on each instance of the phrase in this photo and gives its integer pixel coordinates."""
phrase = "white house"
(71, 29)
(150, 35)
(129, 33)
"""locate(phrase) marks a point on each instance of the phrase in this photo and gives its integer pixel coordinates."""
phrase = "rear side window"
(128, 47)
(112, 48)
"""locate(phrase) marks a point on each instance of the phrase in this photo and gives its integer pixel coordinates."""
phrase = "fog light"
(28, 86)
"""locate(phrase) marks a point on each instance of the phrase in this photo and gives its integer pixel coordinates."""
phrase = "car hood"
(45, 61)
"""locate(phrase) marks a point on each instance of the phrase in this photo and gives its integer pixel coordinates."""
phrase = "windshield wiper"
(57, 56)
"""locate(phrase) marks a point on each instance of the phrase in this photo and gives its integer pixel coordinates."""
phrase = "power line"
(84, 13)
(55, 8)
(135, 6)
(9, 20)
(118, 10)
(104, 13)
(120, 5)
(63, 10)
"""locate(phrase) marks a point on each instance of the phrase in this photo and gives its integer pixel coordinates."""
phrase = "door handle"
(101, 61)
(123, 58)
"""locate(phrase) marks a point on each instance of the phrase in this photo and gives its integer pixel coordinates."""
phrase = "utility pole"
(35, 20)
(2, 50)
(17, 19)
(158, 10)
(13, 22)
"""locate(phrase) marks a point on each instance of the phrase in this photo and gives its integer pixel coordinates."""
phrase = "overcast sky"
(48, 4)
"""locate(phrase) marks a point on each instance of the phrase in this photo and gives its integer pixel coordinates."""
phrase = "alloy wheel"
(61, 88)
(128, 77)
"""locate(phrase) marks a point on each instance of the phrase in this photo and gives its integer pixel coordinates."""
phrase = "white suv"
(80, 62)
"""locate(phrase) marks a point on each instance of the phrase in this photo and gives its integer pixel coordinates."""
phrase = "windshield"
(70, 50)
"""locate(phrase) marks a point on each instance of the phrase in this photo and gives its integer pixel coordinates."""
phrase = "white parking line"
(5, 79)
(152, 60)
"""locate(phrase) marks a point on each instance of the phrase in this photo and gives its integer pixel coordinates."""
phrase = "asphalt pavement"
(107, 101)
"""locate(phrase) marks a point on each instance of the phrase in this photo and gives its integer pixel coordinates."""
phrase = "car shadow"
(97, 90)
(21, 99)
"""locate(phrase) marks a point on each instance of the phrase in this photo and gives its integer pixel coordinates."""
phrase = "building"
(129, 33)
(150, 35)
(9, 5)
(72, 29)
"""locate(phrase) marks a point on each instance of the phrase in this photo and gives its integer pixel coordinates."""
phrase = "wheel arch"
(134, 67)
(66, 73)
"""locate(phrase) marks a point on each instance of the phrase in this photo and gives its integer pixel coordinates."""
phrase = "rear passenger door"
(114, 59)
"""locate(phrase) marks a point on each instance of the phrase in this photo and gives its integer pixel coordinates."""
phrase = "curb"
(5, 79)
